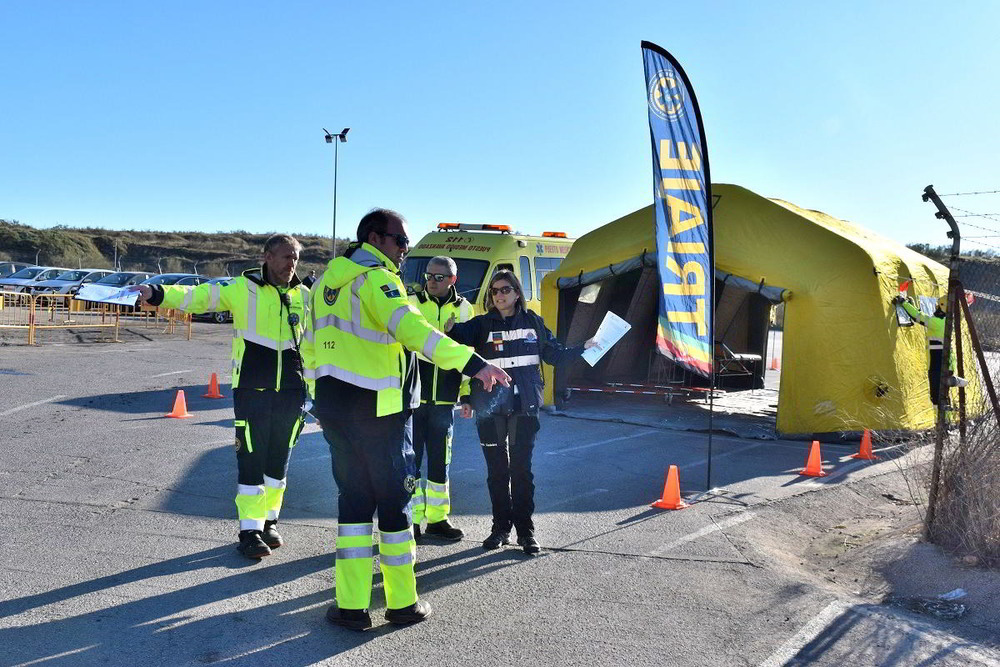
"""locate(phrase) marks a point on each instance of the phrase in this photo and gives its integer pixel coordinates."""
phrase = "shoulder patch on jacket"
(390, 291)
(329, 295)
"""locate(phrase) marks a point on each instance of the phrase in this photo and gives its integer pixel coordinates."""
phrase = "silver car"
(70, 281)
(23, 280)
(7, 268)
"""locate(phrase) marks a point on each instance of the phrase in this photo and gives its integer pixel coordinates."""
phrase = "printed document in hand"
(107, 294)
(610, 332)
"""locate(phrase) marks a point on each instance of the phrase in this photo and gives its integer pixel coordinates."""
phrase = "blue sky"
(207, 116)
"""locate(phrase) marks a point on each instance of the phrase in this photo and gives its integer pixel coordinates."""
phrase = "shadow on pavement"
(157, 629)
(154, 400)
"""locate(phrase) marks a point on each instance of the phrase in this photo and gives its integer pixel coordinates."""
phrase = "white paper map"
(610, 332)
(107, 294)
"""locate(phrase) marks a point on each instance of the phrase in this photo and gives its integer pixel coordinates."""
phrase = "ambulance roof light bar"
(554, 235)
(467, 227)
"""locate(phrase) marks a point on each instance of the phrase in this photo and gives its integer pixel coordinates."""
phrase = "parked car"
(176, 279)
(219, 316)
(7, 268)
(69, 282)
(22, 280)
(124, 278)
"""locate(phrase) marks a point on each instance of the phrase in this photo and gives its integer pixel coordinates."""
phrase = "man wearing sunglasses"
(358, 333)
(440, 389)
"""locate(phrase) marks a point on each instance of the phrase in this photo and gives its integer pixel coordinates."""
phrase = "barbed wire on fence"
(972, 214)
(961, 194)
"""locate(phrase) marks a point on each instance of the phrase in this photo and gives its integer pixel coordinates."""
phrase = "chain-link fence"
(964, 493)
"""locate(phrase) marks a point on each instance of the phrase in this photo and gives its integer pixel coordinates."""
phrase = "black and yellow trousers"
(268, 424)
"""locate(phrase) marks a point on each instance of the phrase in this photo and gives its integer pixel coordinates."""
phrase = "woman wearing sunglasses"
(515, 339)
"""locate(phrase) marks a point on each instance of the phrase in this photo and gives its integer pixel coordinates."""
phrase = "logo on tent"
(666, 95)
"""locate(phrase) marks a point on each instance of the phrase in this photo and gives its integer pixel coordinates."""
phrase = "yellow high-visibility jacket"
(359, 323)
(439, 386)
(264, 354)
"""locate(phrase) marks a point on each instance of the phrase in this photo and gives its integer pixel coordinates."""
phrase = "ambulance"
(482, 250)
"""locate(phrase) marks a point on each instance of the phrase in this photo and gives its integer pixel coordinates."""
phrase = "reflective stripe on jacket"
(437, 386)
(360, 321)
(263, 355)
(518, 344)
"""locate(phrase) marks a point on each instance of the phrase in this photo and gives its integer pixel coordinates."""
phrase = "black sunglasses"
(506, 289)
(401, 239)
(437, 277)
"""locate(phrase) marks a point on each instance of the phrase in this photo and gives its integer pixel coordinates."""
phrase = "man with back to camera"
(367, 386)
(934, 326)
(268, 305)
(440, 389)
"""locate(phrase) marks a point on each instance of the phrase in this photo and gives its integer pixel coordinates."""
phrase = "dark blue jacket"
(518, 344)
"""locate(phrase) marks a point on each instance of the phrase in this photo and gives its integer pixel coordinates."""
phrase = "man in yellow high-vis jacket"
(269, 308)
(440, 389)
(359, 329)
(935, 326)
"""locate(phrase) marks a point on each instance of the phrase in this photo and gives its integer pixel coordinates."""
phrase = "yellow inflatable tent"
(847, 363)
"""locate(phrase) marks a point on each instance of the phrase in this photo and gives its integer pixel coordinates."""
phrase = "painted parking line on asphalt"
(572, 499)
(31, 405)
(707, 530)
(704, 461)
(163, 375)
(601, 442)
(923, 632)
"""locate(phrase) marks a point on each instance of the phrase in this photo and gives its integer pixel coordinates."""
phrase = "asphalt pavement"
(120, 536)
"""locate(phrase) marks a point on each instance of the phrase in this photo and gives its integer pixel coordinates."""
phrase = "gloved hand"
(898, 299)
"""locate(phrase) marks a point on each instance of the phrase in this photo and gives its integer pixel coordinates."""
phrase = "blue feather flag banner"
(683, 215)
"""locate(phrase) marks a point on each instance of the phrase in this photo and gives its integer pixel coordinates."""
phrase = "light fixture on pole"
(342, 136)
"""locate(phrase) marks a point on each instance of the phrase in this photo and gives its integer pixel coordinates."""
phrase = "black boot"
(352, 619)
(528, 543)
(497, 539)
(445, 530)
(252, 545)
(415, 613)
(271, 536)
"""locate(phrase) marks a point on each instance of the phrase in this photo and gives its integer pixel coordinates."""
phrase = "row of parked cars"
(30, 279)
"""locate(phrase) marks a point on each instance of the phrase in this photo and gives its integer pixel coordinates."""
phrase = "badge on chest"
(496, 337)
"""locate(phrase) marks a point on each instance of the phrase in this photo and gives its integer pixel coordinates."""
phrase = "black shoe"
(496, 540)
(529, 544)
(416, 532)
(352, 619)
(415, 613)
(252, 545)
(271, 536)
(445, 530)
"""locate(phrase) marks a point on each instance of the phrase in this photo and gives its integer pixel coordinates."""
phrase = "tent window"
(589, 293)
(526, 277)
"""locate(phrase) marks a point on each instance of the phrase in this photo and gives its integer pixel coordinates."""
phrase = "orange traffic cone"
(213, 388)
(865, 452)
(180, 410)
(814, 464)
(671, 499)
(774, 364)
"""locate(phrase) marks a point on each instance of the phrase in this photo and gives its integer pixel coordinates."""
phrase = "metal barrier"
(41, 312)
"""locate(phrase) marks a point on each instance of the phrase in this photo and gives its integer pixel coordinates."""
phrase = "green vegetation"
(215, 254)
(942, 253)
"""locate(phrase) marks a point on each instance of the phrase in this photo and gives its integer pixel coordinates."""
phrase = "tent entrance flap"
(630, 290)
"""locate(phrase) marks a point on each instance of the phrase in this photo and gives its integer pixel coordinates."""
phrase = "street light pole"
(341, 138)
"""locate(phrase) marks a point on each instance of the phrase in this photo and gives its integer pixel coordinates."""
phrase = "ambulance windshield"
(470, 274)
